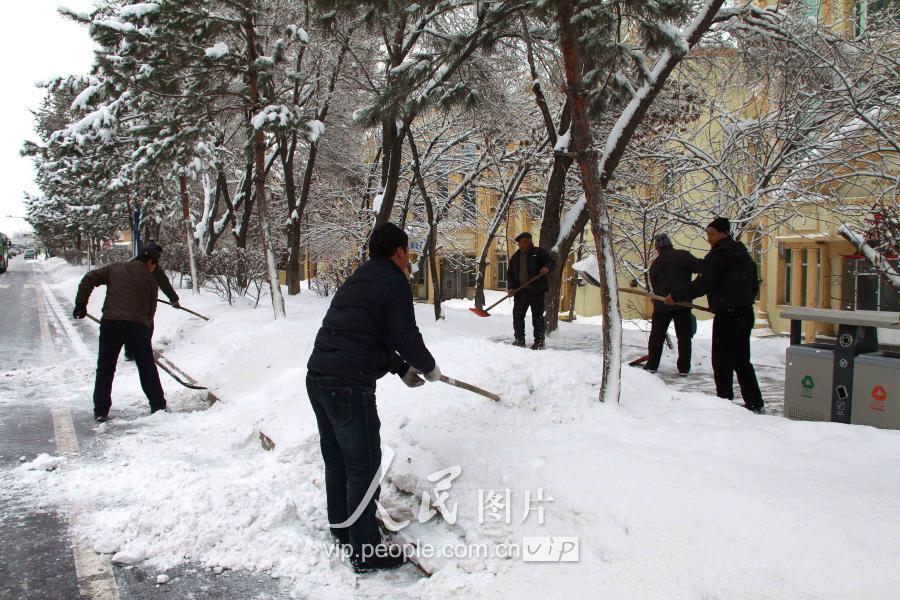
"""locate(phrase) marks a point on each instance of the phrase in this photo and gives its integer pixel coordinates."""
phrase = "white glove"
(434, 374)
(411, 378)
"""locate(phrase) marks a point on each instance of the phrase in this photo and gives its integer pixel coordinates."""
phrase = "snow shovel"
(184, 309)
(647, 294)
(167, 366)
(484, 312)
(468, 386)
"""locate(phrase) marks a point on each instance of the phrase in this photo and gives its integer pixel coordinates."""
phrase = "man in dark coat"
(670, 270)
(728, 277)
(128, 311)
(528, 261)
(165, 286)
(369, 330)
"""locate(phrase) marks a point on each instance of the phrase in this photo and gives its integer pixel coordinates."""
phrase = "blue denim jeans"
(350, 437)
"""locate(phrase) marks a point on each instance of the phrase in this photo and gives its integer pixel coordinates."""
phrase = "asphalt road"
(38, 557)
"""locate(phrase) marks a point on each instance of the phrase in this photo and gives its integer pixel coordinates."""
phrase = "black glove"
(175, 303)
(80, 310)
(411, 378)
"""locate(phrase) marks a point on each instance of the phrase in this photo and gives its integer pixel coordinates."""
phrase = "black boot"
(385, 558)
(519, 343)
(538, 345)
(756, 406)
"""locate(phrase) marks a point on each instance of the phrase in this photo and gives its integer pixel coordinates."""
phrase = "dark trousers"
(731, 354)
(128, 355)
(136, 339)
(683, 329)
(350, 438)
(521, 303)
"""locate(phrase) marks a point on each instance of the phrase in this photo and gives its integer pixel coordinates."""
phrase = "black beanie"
(720, 224)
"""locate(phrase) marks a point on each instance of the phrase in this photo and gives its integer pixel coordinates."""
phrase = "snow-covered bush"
(231, 272)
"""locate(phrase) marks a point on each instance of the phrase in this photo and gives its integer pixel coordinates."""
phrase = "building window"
(788, 274)
(864, 9)
(470, 270)
(812, 8)
(443, 185)
(804, 275)
(418, 278)
(865, 289)
(501, 271)
(469, 202)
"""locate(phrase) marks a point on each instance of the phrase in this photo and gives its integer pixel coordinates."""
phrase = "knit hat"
(721, 224)
(152, 250)
(663, 241)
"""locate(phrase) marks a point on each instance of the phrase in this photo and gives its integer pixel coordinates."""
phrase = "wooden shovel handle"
(513, 292)
(645, 293)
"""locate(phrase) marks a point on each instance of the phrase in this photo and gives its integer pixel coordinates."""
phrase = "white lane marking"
(46, 340)
(4, 286)
(94, 571)
(74, 336)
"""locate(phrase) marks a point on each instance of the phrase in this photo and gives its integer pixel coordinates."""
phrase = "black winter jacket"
(671, 271)
(538, 258)
(370, 321)
(728, 277)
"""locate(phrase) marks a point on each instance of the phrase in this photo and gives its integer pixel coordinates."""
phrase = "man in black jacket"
(671, 270)
(369, 330)
(729, 279)
(528, 261)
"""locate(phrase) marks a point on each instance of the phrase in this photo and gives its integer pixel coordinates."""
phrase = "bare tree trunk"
(582, 144)
(294, 218)
(392, 158)
(188, 234)
(562, 252)
(553, 205)
(431, 242)
(259, 155)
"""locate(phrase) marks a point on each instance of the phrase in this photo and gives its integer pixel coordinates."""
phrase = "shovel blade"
(480, 311)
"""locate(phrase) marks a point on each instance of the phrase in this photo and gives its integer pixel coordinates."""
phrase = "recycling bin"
(855, 380)
(876, 390)
(807, 385)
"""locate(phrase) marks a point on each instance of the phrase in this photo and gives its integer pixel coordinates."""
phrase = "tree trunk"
(188, 234)
(553, 205)
(431, 242)
(392, 159)
(556, 275)
(582, 144)
(212, 236)
(290, 190)
(259, 156)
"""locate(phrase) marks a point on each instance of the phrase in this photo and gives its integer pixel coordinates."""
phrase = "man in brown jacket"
(128, 310)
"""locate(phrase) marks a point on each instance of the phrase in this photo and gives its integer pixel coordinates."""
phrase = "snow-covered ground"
(670, 494)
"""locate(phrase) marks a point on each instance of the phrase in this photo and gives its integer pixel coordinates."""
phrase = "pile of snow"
(670, 494)
(43, 462)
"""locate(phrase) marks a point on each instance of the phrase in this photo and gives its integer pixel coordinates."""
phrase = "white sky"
(36, 43)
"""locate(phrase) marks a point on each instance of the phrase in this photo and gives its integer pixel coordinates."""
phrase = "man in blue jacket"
(369, 330)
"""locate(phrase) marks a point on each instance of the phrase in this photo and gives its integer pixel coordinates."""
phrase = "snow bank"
(670, 494)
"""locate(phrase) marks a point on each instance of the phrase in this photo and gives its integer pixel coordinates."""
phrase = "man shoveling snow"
(369, 330)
